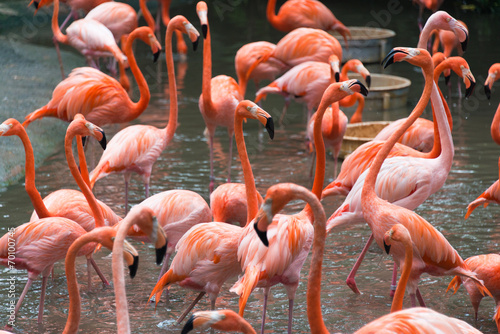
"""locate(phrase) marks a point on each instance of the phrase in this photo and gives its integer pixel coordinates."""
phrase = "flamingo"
(99, 97)
(421, 134)
(81, 207)
(247, 55)
(490, 195)
(487, 268)
(355, 65)
(207, 253)
(488, 84)
(306, 82)
(104, 236)
(304, 13)
(136, 148)
(219, 98)
(443, 20)
(432, 5)
(291, 235)
(424, 174)
(433, 253)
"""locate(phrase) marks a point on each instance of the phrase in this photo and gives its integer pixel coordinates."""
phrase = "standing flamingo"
(219, 98)
(487, 268)
(304, 13)
(136, 148)
(433, 254)
(104, 236)
(291, 235)
(99, 97)
(492, 77)
(207, 254)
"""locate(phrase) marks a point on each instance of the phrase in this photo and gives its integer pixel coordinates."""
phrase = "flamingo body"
(120, 18)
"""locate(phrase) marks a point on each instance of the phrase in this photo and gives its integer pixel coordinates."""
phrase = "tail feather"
(455, 284)
(168, 278)
(94, 175)
(245, 286)
(38, 114)
(272, 88)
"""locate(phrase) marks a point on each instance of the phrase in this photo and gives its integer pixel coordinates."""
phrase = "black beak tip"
(204, 30)
(160, 254)
(363, 90)
(468, 91)
(188, 326)
(35, 3)
(262, 235)
(84, 140)
(464, 43)
(337, 76)
(156, 55)
(133, 268)
(487, 91)
(368, 80)
(387, 247)
(270, 127)
(447, 79)
(195, 43)
(103, 141)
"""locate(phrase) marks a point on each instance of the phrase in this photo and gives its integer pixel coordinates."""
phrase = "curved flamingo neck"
(271, 16)
(357, 117)
(335, 121)
(495, 126)
(150, 21)
(74, 310)
(397, 302)
(60, 37)
(165, 11)
(437, 73)
(89, 196)
(82, 161)
(139, 106)
(172, 119)
(29, 178)
(206, 87)
(251, 190)
(368, 194)
(425, 34)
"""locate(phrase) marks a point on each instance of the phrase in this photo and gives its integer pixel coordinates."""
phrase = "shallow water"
(184, 164)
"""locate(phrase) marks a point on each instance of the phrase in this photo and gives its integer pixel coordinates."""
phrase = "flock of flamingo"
(242, 235)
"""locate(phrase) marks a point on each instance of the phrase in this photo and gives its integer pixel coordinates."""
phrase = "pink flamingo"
(206, 255)
(304, 13)
(487, 268)
(219, 98)
(260, 264)
(136, 148)
(432, 252)
(490, 195)
(432, 5)
(492, 77)
(99, 97)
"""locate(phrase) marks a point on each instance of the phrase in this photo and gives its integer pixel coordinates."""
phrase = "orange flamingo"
(247, 55)
(487, 268)
(443, 20)
(81, 207)
(304, 13)
(306, 82)
(261, 266)
(136, 148)
(206, 255)
(219, 98)
(488, 84)
(104, 236)
(355, 65)
(433, 254)
(99, 97)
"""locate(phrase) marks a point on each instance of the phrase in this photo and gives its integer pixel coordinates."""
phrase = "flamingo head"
(248, 109)
(201, 10)
(357, 66)
(469, 80)
(443, 20)
(131, 258)
(492, 77)
(397, 233)
(81, 127)
(334, 62)
(414, 56)
(8, 125)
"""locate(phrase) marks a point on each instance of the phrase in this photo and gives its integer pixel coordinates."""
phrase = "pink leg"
(56, 44)
(127, 179)
(285, 109)
(146, 188)
(412, 299)
(230, 159)
(290, 315)
(420, 299)
(190, 307)
(212, 179)
(394, 280)
(264, 307)
(350, 279)
(313, 160)
(97, 270)
(23, 294)
(42, 299)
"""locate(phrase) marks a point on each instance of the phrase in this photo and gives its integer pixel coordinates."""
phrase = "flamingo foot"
(351, 283)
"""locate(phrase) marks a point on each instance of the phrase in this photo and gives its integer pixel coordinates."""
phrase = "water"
(184, 164)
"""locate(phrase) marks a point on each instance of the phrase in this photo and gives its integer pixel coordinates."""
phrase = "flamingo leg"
(394, 280)
(127, 179)
(23, 294)
(313, 160)
(420, 299)
(98, 271)
(190, 307)
(285, 109)
(42, 299)
(230, 159)
(350, 279)
(212, 179)
(290, 315)
(264, 307)
(56, 44)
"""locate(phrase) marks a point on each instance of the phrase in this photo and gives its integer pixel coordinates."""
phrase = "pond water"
(184, 164)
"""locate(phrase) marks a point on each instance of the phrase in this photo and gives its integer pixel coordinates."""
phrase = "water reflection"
(184, 164)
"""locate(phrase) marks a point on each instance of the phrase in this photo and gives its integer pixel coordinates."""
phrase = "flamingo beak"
(131, 257)
(156, 55)
(362, 89)
(487, 91)
(337, 76)
(161, 245)
(204, 30)
(387, 247)
(368, 80)
(270, 127)
(103, 140)
(389, 59)
(468, 91)
(189, 326)
(262, 235)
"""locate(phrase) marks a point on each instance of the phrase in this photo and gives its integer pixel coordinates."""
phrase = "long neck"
(424, 36)
(122, 315)
(495, 126)
(271, 16)
(150, 21)
(206, 87)
(437, 73)
(397, 302)
(60, 37)
(314, 314)
(251, 190)
(139, 106)
(335, 124)
(172, 119)
(357, 117)
(368, 193)
(89, 196)
(84, 171)
(29, 180)
(165, 11)
(74, 309)
(440, 110)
